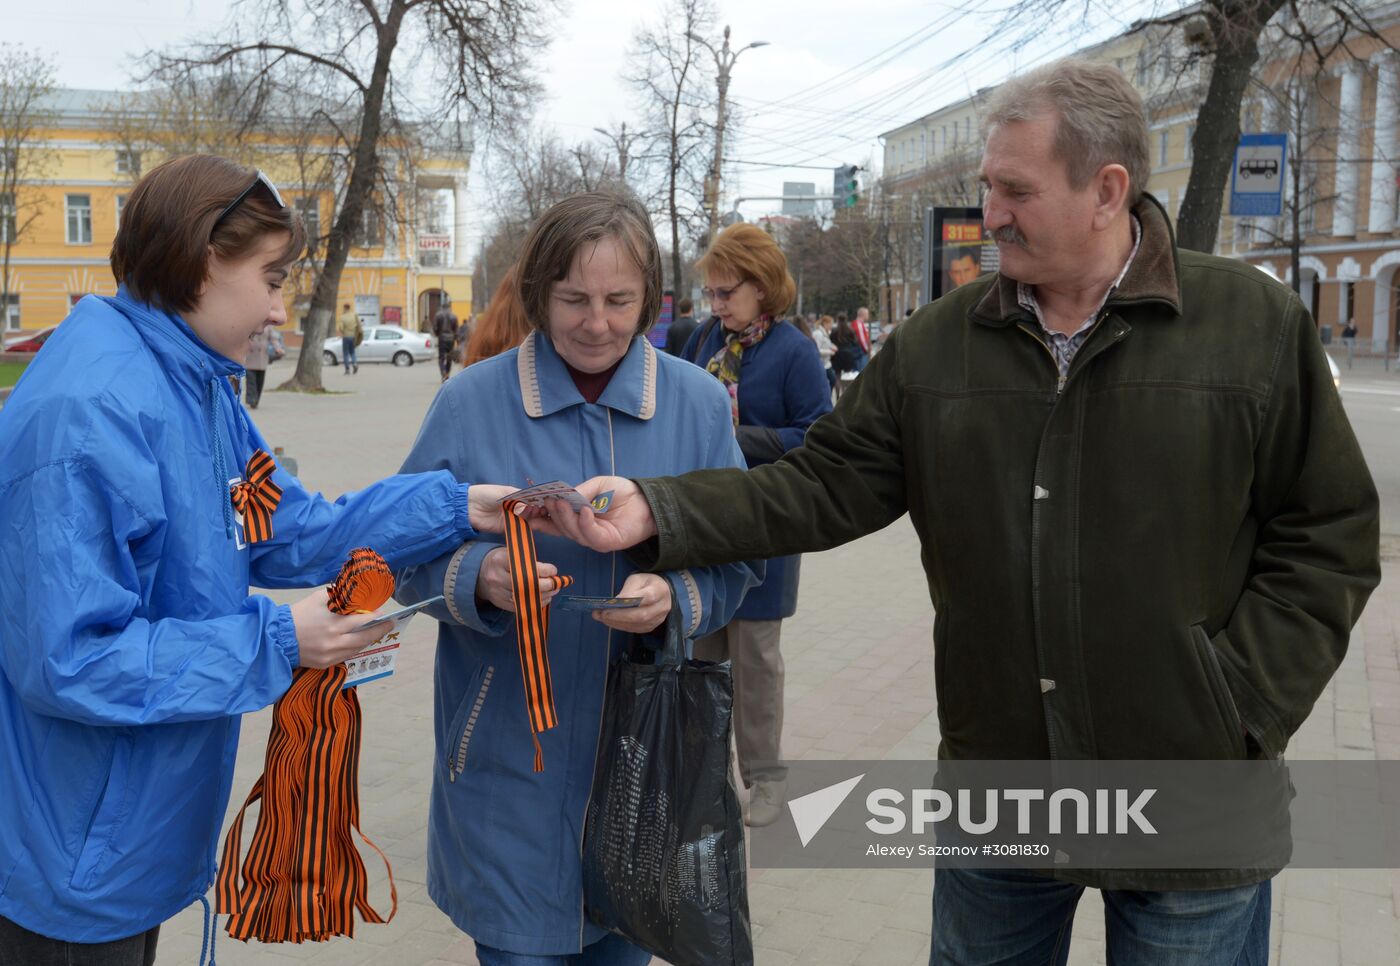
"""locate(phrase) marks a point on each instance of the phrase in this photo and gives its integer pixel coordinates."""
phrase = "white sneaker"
(766, 800)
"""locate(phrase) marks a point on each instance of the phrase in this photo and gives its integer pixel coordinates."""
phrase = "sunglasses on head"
(261, 179)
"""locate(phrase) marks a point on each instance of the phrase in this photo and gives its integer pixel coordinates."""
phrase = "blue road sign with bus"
(1256, 183)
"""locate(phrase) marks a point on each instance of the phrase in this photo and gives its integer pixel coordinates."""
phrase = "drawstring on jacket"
(216, 439)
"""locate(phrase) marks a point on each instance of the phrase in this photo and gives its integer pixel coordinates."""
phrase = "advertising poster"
(958, 249)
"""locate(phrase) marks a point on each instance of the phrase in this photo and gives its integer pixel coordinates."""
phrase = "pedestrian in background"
(821, 335)
(503, 325)
(847, 354)
(774, 377)
(861, 326)
(255, 369)
(681, 327)
(445, 329)
(351, 332)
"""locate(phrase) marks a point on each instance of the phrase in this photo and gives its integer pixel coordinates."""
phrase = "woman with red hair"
(502, 326)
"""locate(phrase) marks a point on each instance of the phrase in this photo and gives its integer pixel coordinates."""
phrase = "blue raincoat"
(129, 644)
(503, 841)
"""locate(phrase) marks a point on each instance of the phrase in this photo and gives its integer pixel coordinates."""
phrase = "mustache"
(1010, 236)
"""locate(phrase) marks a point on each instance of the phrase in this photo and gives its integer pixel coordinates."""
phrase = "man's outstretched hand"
(627, 522)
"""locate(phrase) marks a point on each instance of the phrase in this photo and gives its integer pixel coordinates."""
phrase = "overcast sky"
(882, 63)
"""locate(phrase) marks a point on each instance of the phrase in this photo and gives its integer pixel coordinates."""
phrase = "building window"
(121, 206)
(967, 128)
(129, 162)
(12, 312)
(7, 218)
(1190, 135)
(1142, 67)
(1163, 140)
(1244, 232)
(923, 145)
(1348, 306)
(79, 219)
(309, 207)
(371, 229)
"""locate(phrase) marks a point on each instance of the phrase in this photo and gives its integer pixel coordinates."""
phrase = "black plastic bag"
(663, 856)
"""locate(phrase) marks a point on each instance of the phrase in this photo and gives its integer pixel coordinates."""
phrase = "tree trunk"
(1235, 28)
(348, 220)
(675, 223)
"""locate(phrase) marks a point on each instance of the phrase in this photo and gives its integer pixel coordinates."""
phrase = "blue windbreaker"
(129, 644)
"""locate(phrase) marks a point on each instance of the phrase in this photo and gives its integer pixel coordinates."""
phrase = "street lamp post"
(724, 62)
(622, 141)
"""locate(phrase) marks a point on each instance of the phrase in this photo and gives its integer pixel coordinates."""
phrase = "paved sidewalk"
(860, 685)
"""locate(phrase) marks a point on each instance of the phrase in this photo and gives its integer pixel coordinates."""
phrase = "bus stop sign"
(1256, 183)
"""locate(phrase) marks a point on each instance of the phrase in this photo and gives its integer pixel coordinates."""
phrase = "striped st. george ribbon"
(257, 497)
(531, 624)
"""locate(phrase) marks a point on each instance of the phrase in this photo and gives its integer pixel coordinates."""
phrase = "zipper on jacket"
(1060, 380)
(458, 764)
(607, 654)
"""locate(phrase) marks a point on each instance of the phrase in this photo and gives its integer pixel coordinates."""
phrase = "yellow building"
(400, 271)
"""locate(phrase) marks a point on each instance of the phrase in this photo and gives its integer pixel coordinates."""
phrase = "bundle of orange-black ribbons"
(303, 878)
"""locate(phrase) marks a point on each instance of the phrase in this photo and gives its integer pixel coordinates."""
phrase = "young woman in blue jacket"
(129, 641)
(585, 393)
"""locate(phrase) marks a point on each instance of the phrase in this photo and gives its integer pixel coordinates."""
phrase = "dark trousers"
(20, 947)
(445, 347)
(253, 387)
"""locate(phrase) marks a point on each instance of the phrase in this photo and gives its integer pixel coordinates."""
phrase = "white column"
(1348, 150)
(1382, 216)
(460, 254)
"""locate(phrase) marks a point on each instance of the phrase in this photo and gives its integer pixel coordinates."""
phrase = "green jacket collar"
(1154, 276)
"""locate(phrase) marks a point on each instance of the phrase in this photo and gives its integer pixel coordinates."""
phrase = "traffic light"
(845, 186)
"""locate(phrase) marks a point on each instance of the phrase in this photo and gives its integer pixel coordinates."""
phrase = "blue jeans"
(1008, 917)
(347, 351)
(609, 951)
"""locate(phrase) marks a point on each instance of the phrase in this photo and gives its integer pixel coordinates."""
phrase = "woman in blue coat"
(585, 393)
(129, 536)
(777, 387)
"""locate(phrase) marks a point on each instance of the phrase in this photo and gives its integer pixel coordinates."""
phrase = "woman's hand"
(494, 583)
(484, 503)
(325, 638)
(651, 614)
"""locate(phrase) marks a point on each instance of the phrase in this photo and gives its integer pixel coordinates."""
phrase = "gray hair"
(1100, 118)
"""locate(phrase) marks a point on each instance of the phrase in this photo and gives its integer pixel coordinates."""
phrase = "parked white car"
(384, 343)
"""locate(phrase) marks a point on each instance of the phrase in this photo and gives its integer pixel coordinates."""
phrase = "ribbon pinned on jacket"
(257, 497)
(303, 878)
(531, 624)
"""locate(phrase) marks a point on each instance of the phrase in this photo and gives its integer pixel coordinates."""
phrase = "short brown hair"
(1099, 118)
(750, 254)
(578, 220)
(161, 252)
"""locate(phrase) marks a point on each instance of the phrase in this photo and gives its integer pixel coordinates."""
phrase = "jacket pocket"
(1220, 691)
(107, 818)
(464, 722)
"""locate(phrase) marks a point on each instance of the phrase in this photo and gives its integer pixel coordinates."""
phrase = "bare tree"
(26, 84)
(535, 172)
(475, 53)
(673, 83)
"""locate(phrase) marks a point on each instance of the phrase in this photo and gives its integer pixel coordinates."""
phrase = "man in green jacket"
(1147, 526)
